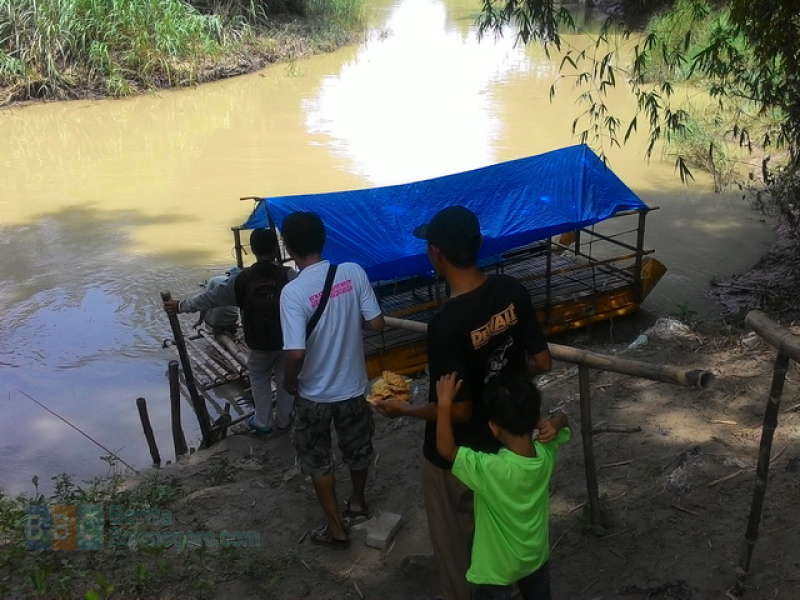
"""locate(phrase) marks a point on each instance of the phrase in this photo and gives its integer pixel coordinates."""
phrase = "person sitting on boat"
(323, 312)
(256, 291)
(485, 328)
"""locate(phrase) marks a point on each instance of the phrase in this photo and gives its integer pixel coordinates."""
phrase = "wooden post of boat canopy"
(589, 465)
(141, 404)
(237, 246)
(198, 404)
(548, 279)
(637, 269)
(178, 438)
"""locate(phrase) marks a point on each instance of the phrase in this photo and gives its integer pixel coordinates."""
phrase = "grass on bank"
(70, 48)
(113, 571)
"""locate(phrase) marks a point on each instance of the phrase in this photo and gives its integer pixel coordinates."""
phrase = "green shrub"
(688, 25)
(58, 48)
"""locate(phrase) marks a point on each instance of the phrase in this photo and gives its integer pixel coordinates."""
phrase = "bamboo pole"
(669, 374)
(214, 378)
(231, 347)
(198, 404)
(548, 277)
(637, 274)
(666, 373)
(178, 437)
(237, 245)
(777, 336)
(200, 378)
(589, 464)
(221, 373)
(206, 397)
(141, 404)
(762, 470)
(235, 364)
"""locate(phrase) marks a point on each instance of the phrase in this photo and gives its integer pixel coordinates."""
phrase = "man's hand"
(291, 387)
(391, 407)
(549, 428)
(447, 389)
(171, 306)
(547, 431)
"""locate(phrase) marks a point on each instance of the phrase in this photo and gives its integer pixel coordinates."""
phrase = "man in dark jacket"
(256, 291)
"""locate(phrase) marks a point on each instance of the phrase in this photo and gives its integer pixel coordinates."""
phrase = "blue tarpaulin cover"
(517, 202)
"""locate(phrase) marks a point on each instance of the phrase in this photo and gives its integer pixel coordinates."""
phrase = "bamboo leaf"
(631, 128)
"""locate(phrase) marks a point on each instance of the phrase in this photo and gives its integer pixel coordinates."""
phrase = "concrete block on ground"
(382, 529)
(359, 530)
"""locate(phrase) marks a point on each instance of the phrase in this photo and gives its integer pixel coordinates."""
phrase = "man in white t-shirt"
(325, 370)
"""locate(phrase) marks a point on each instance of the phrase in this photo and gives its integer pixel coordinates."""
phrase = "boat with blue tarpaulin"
(548, 220)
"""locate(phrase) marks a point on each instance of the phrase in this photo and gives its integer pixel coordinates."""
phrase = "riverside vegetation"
(741, 57)
(60, 49)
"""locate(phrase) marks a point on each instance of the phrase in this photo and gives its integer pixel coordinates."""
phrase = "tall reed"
(58, 48)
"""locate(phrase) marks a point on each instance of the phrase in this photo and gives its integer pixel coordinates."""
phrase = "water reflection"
(417, 100)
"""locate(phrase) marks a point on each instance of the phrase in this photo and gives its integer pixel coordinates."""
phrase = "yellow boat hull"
(574, 314)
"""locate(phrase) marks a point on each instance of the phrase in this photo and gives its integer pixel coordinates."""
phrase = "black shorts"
(312, 434)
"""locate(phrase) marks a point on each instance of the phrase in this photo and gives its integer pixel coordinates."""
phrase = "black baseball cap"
(455, 231)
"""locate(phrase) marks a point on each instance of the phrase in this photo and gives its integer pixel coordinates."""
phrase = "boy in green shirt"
(512, 488)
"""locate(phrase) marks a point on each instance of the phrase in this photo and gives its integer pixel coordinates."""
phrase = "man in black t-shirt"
(486, 327)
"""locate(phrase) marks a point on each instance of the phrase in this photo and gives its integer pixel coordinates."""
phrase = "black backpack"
(258, 292)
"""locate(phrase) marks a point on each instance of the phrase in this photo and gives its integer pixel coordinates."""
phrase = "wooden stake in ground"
(197, 401)
(141, 404)
(588, 449)
(762, 471)
(178, 438)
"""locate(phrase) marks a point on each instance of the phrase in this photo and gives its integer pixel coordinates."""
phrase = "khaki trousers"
(451, 522)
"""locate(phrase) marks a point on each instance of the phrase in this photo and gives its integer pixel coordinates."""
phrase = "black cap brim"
(421, 232)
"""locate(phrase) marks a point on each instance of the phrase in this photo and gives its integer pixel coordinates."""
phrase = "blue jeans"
(535, 586)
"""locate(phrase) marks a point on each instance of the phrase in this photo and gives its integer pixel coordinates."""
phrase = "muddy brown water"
(104, 203)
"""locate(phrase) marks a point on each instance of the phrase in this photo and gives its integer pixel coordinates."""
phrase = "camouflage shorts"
(312, 434)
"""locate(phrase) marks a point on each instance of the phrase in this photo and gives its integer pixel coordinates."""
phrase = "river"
(105, 203)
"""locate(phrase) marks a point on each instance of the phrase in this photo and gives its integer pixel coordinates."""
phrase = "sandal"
(257, 429)
(351, 514)
(323, 537)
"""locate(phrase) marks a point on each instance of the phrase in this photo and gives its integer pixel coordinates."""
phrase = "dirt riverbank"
(772, 285)
(678, 493)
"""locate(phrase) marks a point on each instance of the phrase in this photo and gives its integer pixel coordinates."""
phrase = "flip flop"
(322, 536)
(349, 513)
(251, 423)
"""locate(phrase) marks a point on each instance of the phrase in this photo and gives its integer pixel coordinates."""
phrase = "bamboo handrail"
(788, 347)
(669, 374)
(779, 337)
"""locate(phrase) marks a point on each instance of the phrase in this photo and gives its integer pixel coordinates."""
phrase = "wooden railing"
(788, 348)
